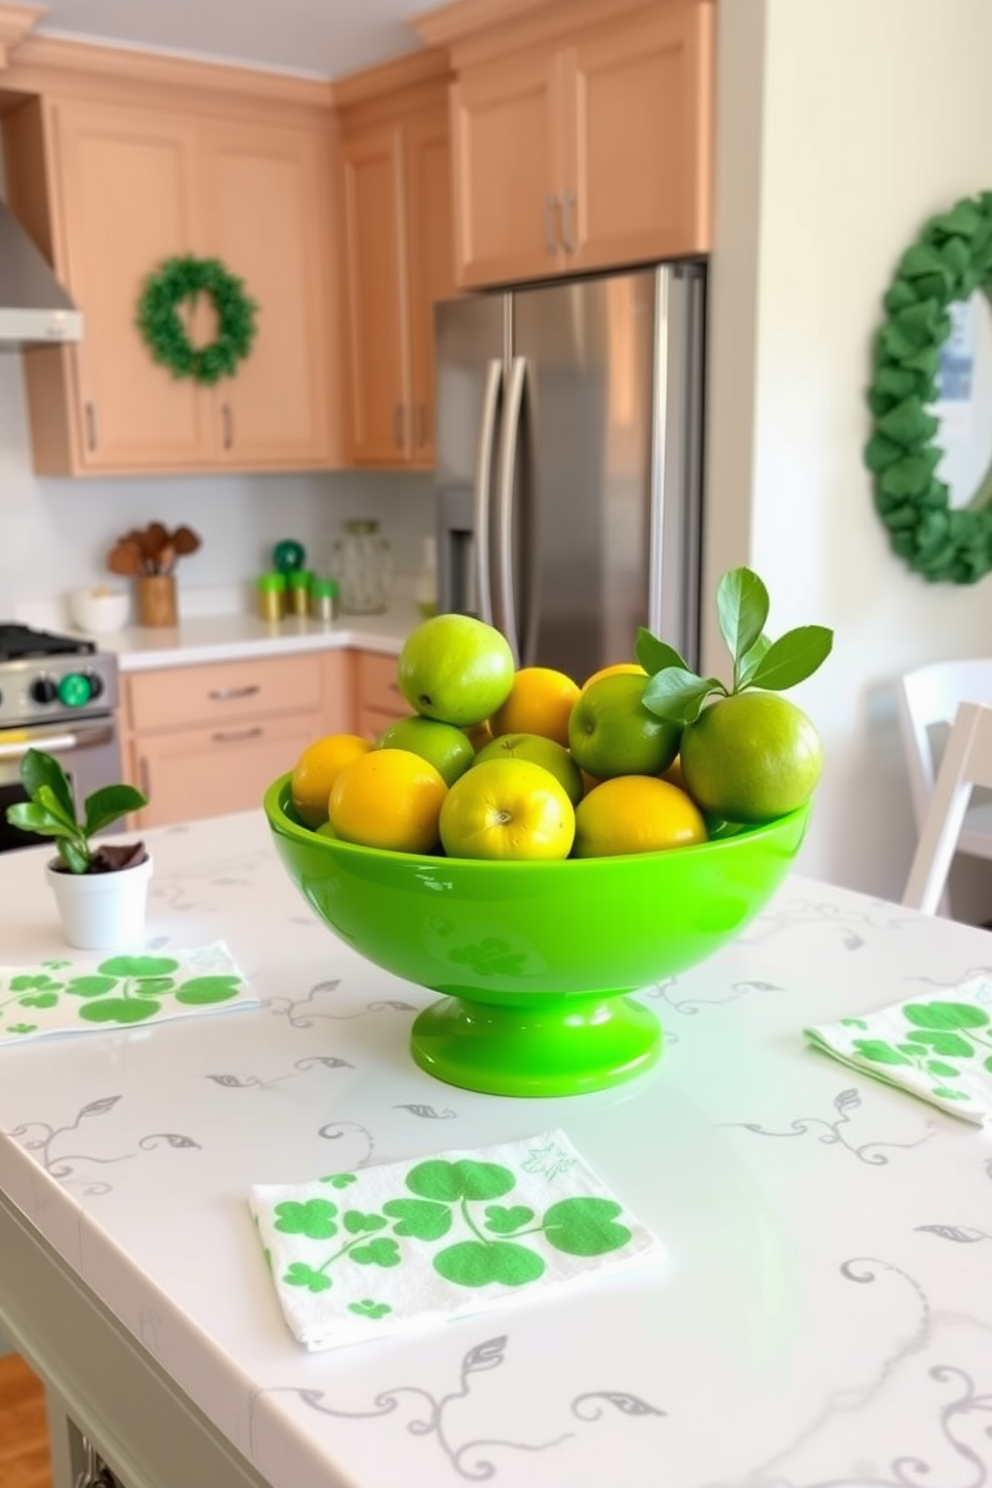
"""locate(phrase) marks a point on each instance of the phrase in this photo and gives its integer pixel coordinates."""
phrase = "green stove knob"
(75, 690)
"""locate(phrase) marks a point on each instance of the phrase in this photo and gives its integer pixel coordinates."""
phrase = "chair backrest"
(967, 762)
(931, 696)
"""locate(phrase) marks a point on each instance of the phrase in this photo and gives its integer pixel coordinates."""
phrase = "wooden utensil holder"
(157, 599)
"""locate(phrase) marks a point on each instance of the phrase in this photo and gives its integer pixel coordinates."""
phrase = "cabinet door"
(195, 773)
(430, 262)
(375, 246)
(262, 193)
(506, 138)
(639, 131)
(127, 192)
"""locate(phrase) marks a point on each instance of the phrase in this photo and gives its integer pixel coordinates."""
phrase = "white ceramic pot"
(99, 611)
(102, 911)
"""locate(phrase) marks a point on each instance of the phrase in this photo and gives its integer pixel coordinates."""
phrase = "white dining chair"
(927, 700)
(966, 763)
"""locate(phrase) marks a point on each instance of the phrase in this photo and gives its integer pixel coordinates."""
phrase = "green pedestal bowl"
(534, 961)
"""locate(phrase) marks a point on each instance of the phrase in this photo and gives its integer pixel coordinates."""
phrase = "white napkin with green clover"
(405, 1245)
(118, 991)
(936, 1047)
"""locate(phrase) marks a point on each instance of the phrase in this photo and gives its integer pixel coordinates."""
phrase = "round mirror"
(963, 406)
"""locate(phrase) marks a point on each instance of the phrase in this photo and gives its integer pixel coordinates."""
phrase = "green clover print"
(122, 990)
(937, 1033)
(445, 1195)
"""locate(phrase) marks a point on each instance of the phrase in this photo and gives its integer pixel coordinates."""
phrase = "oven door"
(87, 749)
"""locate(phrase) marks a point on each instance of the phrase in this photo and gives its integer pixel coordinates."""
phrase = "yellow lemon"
(388, 798)
(618, 668)
(316, 771)
(635, 814)
(540, 702)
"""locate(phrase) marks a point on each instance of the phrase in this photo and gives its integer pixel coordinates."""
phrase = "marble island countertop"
(825, 1313)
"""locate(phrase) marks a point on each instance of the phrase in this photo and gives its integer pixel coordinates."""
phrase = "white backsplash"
(55, 534)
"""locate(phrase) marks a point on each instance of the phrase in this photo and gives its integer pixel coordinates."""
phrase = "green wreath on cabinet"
(184, 277)
(951, 259)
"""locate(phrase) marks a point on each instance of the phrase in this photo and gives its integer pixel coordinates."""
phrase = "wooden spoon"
(125, 558)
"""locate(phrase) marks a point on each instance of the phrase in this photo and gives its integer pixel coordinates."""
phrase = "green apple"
(610, 732)
(540, 751)
(455, 669)
(443, 745)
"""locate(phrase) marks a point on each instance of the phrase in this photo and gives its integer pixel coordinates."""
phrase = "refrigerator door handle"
(509, 447)
(483, 484)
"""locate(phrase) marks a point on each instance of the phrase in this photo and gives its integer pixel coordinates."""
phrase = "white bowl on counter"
(99, 611)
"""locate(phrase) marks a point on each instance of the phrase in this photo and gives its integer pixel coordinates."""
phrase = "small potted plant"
(100, 889)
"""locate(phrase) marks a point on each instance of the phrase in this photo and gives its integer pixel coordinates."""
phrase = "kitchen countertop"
(825, 1313)
(211, 638)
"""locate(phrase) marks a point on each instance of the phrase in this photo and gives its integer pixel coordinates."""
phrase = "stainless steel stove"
(57, 693)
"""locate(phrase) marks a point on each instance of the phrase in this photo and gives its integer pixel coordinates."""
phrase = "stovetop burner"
(20, 641)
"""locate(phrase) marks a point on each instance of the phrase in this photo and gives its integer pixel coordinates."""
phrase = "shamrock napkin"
(939, 1048)
(408, 1244)
(117, 991)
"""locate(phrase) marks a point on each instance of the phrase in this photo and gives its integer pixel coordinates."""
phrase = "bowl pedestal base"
(539, 1046)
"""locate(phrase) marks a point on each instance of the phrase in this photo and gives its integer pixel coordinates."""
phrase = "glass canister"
(362, 563)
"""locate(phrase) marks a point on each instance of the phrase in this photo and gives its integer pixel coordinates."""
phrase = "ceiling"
(318, 38)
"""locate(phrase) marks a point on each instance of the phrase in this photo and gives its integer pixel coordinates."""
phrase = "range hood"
(34, 308)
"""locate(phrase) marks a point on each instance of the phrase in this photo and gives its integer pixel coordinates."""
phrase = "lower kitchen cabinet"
(205, 740)
(378, 700)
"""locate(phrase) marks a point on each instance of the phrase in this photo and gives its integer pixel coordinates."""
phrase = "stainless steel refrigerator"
(569, 424)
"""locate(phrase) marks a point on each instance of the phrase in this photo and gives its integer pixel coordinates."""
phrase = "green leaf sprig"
(676, 692)
(51, 810)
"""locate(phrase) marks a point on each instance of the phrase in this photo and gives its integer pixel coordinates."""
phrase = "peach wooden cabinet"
(207, 739)
(378, 700)
(397, 253)
(109, 190)
(581, 138)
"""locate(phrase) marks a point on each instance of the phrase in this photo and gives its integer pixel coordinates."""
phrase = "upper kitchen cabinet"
(581, 133)
(111, 187)
(265, 194)
(397, 253)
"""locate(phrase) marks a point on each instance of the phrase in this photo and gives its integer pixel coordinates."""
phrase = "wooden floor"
(24, 1459)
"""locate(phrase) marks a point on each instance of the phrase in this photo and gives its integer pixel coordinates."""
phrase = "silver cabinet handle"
(551, 206)
(89, 411)
(235, 736)
(509, 447)
(227, 425)
(144, 777)
(399, 425)
(567, 204)
(226, 694)
(482, 495)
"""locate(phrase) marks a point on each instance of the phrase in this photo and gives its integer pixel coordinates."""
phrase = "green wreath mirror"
(928, 373)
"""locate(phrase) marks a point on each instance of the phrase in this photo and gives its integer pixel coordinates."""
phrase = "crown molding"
(47, 64)
(411, 70)
(15, 22)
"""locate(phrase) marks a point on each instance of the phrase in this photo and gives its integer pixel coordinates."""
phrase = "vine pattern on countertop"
(39, 1137)
(967, 1406)
(690, 1006)
(849, 923)
(300, 1012)
(300, 1067)
(473, 1460)
(832, 1133)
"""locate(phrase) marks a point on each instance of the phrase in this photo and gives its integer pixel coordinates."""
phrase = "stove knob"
(96, 684)
(44, 690)
(75, 690)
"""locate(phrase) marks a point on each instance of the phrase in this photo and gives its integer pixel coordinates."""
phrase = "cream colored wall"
(843, 125)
